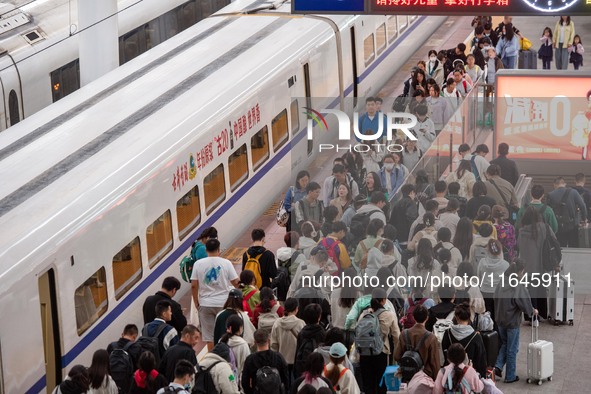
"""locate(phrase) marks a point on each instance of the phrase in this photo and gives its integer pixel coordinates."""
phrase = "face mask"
(433, 58)
(389, 166)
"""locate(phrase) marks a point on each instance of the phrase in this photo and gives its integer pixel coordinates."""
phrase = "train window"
(295, 117)
(214, 186)
(279, 130)
(127, 267)
(132, 45)
(369, 49)
(90, 300)
(187, 15)
(188, 212)
(238, 167)
(13, 108)
(159, 238)
(402, 22)
(391, 24)
(152, 33)
(413, 18)
(171, 25)
(65, 80)
(381, 38)
(206, 7)
(259, 147)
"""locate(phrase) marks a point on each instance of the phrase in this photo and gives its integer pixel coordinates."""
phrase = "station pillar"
(98, 38)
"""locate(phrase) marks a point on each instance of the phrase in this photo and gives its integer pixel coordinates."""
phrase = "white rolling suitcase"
(561, 301)
(540, 358)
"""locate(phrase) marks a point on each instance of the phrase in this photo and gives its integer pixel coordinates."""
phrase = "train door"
(51, 329)
(13, 96)
(308, 92)
(354, 61)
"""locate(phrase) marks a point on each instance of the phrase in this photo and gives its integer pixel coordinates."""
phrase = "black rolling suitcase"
(585, 236)
(527, 60)
(492, 345)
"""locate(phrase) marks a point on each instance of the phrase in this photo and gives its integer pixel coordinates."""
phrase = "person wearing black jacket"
(264, 357)
(509, 171)
(266, 257)
(444, 308)
(130, 333)
(464, 333)
(181, 351)
(170, 286)
(312, 333)
(580, 180)
(404, 213)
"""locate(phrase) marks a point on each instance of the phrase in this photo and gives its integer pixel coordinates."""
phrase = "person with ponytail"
(342, 379)
(444, 237)
(234, 306)
(251, 296)
(147, 380)
(267, 304)
(77, 382)
(468, 293)
(312, 374)
(424, 265)
(428, 232)
(463, 237)
(491, 268)
(457, 376)
(483, 216)
(238, 346)
(99, 374)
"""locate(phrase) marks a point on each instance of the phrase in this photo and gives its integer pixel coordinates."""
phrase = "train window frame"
(279, 134)
(402, 26)
(13, 108)
(381, 39)
(194, 220)
(154, 231)
(392, 28)
(243, 151)
(219, 170)
(129, 281)
(260, 161)
(181, 12)
(294, 109)
(61, 80)
(101, 309)
(369, 57)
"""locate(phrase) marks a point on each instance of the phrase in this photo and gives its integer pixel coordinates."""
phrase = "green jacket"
(548, 216)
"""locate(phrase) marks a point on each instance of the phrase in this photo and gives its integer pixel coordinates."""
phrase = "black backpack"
(359, 223)
(306, 347)
(121, 365)
(151, 343)
(565, 222)
(551, 252)
(411, 361)
(281, 282)
(268, 381)
(204, 381)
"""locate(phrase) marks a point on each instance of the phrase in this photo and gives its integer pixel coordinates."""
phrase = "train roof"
(85, 152)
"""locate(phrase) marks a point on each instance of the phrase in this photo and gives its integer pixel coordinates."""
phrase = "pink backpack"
(421, 383)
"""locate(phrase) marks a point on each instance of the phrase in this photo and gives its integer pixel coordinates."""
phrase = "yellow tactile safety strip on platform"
(272, 210)
(234, 255)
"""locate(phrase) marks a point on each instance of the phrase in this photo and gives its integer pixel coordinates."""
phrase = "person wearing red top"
(268, 304)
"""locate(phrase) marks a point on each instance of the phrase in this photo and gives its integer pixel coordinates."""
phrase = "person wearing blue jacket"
(369, 122)
(508, 47)
(392, 173)
(295, 194)
(198, 250)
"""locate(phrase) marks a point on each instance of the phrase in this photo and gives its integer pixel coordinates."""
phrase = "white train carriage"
(110, 186)
(39, 45)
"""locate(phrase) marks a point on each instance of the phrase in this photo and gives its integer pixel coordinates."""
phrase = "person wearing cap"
(341, 378)
(221, 372)
(233, 306)
(373, 367)
(479, 163)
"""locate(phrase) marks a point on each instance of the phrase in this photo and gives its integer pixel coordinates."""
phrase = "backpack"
(204, 381)
(565, 222)
(246, 305)
(363, 262)
(479, 253)
(170, 389)
(305, 348)
(411, 361)
(368, 338)
(453, 340)
(281, 282)
(267, 319)
(186, 268)
(430, 237)
(121, 365)
(253, 264)
(551, 252)
(334, 251)
(268, 381)
(463, 295)
(408, 319)
(421, 383)
(442, 325)
(474, 168)
(336, 387)
(463, 387)
(151, 343)
(359, 223)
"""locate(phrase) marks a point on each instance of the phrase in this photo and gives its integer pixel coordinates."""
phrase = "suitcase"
(540, 357)
(492, 345)
(585, 236)
(527, 60)
(561, 301)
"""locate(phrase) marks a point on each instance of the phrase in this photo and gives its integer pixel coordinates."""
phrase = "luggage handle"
(535, 324)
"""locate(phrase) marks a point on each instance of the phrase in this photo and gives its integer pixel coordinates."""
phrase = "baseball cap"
(235, 293)
(338, 350)
(378, 293)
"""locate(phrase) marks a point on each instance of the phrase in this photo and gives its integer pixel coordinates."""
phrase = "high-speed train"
(39, 45)
(104, 191)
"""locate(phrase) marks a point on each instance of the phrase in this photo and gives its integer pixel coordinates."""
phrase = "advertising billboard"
(544, 117)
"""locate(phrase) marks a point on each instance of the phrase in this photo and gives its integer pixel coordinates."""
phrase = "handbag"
(282, 216)
(525, 44)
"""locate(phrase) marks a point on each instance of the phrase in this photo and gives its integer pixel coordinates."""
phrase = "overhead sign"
(444, 7)
(544, 117)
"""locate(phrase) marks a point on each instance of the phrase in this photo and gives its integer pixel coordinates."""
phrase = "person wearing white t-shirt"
(212, 278)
